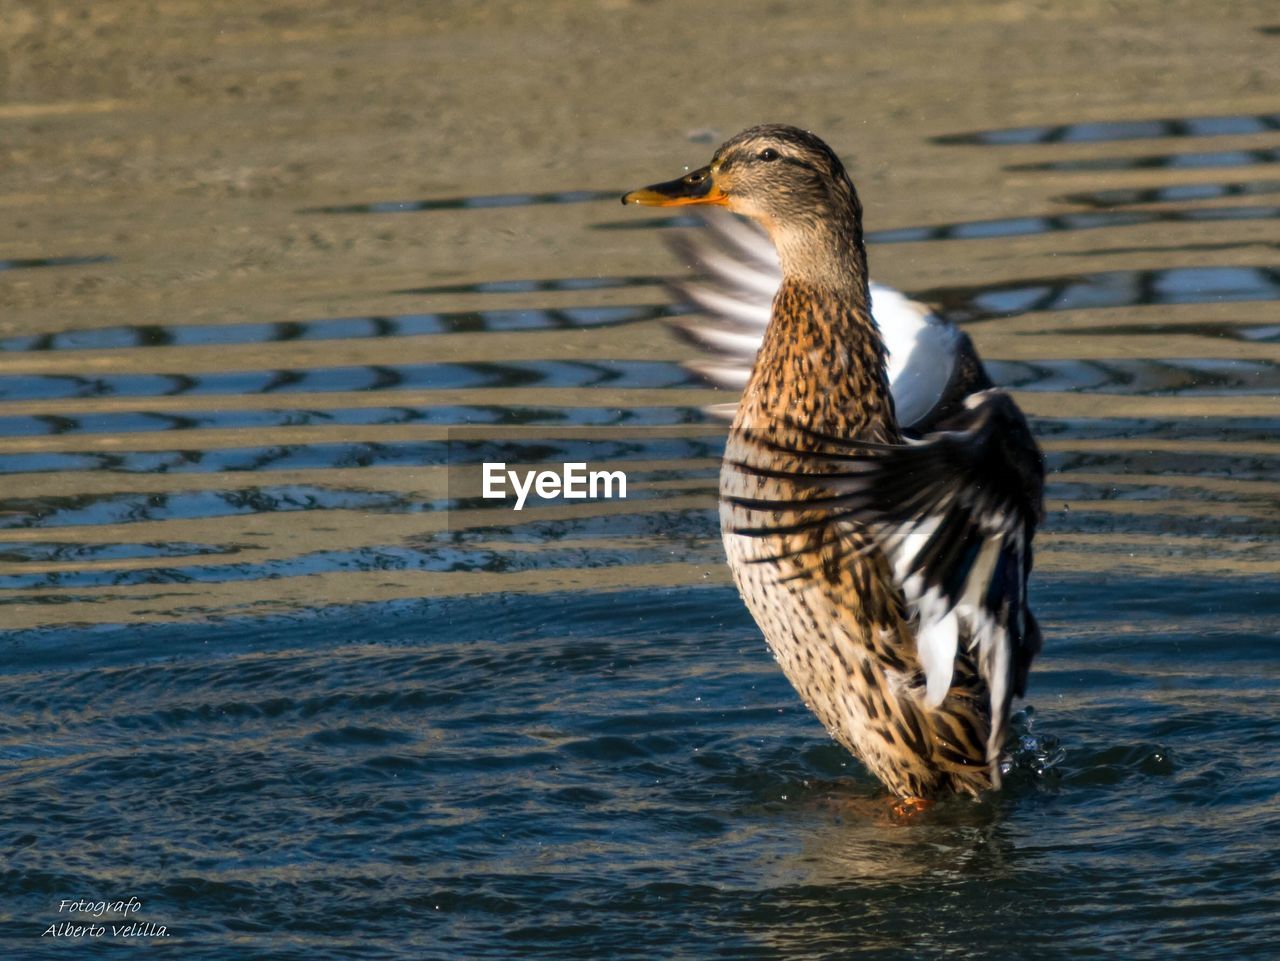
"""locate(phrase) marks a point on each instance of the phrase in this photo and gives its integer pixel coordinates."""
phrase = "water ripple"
(1111, 130)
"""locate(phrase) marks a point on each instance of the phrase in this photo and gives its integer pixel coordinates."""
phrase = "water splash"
(1034, 753)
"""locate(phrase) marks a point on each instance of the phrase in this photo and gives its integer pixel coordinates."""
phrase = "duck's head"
(785, 178)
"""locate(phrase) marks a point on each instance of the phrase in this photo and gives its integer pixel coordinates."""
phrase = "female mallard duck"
(880, 536)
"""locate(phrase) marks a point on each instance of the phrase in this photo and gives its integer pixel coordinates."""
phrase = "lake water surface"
(277, 282)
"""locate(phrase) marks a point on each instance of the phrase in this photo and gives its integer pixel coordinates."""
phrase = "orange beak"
(697, 187)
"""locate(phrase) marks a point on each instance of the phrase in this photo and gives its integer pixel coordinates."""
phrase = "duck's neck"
(824, 251)
(822, 362)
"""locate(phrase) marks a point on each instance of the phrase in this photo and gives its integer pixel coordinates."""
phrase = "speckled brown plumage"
(826, 601)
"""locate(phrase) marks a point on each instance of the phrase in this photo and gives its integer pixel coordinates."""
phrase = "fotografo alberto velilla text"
(121, 924)
(574, 481)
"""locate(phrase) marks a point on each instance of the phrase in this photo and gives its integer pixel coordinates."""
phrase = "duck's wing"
(954, 513)
(932, 365)
(737, 275)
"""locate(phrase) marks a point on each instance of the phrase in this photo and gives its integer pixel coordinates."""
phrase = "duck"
(879, 494)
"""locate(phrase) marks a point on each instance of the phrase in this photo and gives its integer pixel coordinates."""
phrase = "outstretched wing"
(929, 359)
(955, 514)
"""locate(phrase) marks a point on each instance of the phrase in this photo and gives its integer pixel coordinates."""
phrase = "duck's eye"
(768, 153)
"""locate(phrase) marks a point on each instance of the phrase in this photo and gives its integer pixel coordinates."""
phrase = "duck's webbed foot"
(906, 808)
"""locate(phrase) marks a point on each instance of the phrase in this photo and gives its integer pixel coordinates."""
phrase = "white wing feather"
(741, 276)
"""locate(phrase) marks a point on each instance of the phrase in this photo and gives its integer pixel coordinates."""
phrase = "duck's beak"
(697, 187)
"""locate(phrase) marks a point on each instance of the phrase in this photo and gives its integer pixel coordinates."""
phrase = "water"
(558, 776)
(272, 667)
